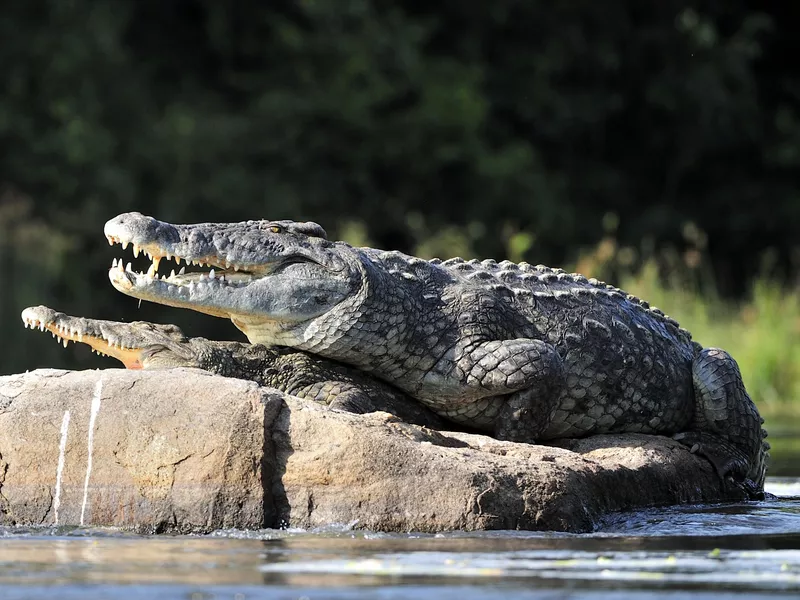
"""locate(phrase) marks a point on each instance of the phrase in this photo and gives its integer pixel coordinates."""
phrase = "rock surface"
(183, 450)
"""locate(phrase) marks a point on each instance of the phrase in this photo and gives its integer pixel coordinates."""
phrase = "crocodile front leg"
(527, 374)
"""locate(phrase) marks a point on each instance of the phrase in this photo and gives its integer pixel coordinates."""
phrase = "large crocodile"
(143, 345)
(526, 353)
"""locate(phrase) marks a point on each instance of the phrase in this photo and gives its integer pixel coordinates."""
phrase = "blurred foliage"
(530, 130)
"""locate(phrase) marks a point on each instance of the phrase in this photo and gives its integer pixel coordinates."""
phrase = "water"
(746, 550)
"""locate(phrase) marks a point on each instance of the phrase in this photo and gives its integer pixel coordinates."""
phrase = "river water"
(747, 550)
(709, 551)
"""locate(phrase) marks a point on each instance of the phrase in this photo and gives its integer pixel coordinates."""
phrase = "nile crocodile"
(526, 353)
(143, 345)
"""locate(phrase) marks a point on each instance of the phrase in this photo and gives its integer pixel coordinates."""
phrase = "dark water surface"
(748, 550)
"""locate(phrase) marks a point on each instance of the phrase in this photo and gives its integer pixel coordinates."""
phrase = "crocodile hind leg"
(727, 427)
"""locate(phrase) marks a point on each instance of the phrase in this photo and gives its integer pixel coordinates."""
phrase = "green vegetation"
(505, 129)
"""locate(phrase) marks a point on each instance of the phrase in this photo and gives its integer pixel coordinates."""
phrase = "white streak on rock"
(62, 449)
(98, 388)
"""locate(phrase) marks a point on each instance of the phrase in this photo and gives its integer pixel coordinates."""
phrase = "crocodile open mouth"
(46, 319)
(205, 270)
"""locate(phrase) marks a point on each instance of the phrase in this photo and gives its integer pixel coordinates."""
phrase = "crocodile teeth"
(135, 251)
(125, 246)
(154, 267)
(211, 274)
(65, 342)
(182, 271)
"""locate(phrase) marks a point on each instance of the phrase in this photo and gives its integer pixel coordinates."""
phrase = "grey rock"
(183, 450)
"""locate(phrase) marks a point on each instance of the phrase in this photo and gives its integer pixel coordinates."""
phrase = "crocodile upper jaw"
(271, 271)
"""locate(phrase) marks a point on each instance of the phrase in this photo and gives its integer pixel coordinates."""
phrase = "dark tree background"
(505, 128)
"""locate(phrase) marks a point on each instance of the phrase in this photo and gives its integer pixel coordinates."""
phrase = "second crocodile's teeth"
(135, 251)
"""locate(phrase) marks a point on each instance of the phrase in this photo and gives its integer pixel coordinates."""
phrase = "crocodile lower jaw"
(130, 357)
(182, 291)
(180, 279)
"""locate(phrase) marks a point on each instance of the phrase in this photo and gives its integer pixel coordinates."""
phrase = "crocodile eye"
(276, 229)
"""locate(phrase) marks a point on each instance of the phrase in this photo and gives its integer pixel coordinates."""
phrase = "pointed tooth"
(182, 271)
(172, 274)
(129, 268)
(114, 263)
(235, 267)
(211, 274)
(41, 327)
(110, 241)
(125, 245)
(135, 251)
(66, 341)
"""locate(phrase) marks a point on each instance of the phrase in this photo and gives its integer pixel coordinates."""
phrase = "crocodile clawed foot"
(729, 462)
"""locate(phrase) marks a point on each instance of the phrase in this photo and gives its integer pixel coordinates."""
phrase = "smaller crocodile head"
(267, 276)
(137, 345)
